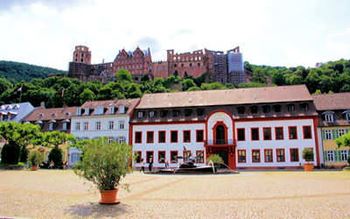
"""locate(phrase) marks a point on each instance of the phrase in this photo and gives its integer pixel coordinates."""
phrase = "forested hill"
(17, 71)
(333, 76)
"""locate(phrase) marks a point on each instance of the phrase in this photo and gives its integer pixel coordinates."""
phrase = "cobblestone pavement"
(61, 194)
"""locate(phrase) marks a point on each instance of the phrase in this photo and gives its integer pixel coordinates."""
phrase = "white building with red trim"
(249, 128)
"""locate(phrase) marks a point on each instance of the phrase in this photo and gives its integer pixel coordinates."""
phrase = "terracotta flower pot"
(34, 168)
(109, 197)
(308, 167)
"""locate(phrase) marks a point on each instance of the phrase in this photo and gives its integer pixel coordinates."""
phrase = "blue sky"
(271, 32)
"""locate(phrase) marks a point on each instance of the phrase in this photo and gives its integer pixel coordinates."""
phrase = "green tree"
(187, 84)
(86, 95)
(123, 75)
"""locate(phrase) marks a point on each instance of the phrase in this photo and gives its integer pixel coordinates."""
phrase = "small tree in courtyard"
(344, 141)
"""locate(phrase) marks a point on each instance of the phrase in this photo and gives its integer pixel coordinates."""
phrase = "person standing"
(143, 165)
(150, 165)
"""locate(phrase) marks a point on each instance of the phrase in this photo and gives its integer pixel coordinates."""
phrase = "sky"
(269, 32)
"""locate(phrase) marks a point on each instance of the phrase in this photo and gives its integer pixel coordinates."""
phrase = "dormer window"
(329, 116)
(140, 114)
(78, 112)
(86, 111)
(121, 109)
(111, 109)
(164, 113)
(291, 108)
(151, 114)
(304, 107)
(176, 113)
(347, 115)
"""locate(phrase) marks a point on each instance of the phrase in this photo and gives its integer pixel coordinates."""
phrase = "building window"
(200, 156)
(242, 156)
(267, 133)
(279, 133)
(98, 125)
(187, 136)
(173, 156)
(176, 113)
(347, 116)
(304, 107)
(150, 137)
(329, 117)
(138, 137)
(138, 156)
(161, 137)
(121, 125)
(110, 139)
(280, 155)
(121, 139)
(307, 132)
(173, 136)
(256, 156)
(241, 134)
(186, 155)
(199, 135)
(294, 155)
(341, 132)
(255, 134)
(86, 126)
(292, 132)
(343, 155)
(64, 126)
(330, 156)
(111, 125)
(328, 135)
(140, 115)
(151, 114)
(51, 126)
(161, 156)
(149, 157)
(268, 155)
(77, 126)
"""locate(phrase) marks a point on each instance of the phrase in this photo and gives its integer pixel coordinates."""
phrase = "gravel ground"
(61, 194)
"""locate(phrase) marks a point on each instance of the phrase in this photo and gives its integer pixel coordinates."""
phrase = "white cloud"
(269, 32)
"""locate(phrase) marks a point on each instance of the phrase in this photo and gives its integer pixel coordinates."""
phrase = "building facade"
(334, 121)
(106, 118)
(248, 128)
(219, 66)
(15, 112)
(52, 119)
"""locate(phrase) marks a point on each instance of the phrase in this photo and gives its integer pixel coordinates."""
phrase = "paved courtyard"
(61, 194)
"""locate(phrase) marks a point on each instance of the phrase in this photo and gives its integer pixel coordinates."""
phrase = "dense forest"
(16, 71)
(60, 90)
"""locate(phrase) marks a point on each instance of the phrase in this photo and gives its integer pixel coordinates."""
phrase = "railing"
(219, 141)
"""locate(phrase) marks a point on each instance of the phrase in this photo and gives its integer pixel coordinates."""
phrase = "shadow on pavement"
(96, 210)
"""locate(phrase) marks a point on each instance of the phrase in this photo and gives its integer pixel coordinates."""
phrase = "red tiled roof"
(129, 103)
(226, 97)
(338, 101)
(44, 114)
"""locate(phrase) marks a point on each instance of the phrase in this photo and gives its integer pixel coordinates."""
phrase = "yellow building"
(334, 121)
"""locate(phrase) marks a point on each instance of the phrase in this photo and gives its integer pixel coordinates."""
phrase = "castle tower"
(82, 54)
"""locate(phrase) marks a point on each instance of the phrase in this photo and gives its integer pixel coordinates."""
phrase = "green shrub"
(215, 158)
(56, 157)
(104, 163)
(308, 154)
(10, 153)
(35, 158)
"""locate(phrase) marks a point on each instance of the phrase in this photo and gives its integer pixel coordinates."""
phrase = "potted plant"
(35, 158)
(104, 164)
(308, 155)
